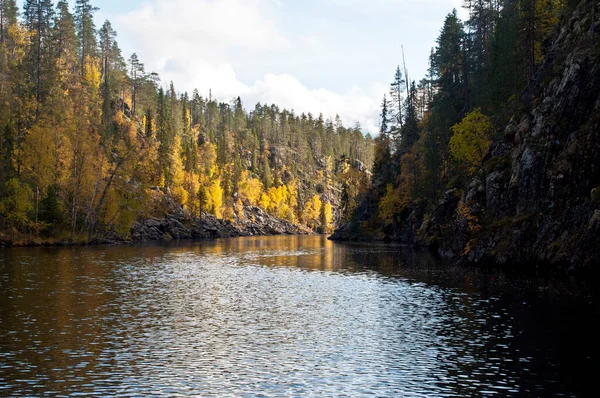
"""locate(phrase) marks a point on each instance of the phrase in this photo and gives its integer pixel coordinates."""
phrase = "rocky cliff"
(536, 199)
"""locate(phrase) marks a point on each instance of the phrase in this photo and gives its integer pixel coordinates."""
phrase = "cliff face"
(536, 199)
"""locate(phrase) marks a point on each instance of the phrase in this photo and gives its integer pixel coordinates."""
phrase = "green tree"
(165, 136)
(136, 76)
(470, 141)
(410, 130)
(397, 99)
(65, 36)
(16, 205)
(86, 30)
(38, 16)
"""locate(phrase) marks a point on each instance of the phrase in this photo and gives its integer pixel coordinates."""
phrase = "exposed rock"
(536, 199)
(538, 210)
(255, 223)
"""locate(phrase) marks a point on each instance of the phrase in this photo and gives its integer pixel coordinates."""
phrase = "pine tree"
(86, 30)
(136, 76)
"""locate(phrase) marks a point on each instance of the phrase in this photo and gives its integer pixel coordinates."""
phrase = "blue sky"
(329, 56)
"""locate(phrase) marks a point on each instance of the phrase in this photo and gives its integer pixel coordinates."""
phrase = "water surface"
(285, 316)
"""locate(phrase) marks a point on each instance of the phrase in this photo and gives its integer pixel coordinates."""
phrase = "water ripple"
(268, 317)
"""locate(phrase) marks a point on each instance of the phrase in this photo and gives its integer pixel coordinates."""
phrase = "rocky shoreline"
(256, 222)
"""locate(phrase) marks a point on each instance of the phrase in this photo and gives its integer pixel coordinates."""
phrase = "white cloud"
(405, 8)
(204, 25)
(190, 43)
(353, 106)
(209, 44)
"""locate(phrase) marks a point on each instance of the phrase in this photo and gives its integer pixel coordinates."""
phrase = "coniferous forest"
(493, 156)
(92, 141)
(434, 135)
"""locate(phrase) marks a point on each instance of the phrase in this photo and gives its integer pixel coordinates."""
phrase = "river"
(285, 316)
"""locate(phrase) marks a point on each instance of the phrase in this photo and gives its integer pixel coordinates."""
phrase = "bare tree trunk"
(75, 190)
(37, 201)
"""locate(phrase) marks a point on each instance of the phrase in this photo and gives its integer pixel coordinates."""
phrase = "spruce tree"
(382, 162)
(384, 126)
(38, 15)
(410, 130)
(397, 99)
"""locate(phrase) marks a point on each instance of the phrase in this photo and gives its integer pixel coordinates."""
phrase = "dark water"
(285, 316)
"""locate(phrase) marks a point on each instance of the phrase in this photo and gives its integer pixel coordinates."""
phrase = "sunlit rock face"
(255, 222)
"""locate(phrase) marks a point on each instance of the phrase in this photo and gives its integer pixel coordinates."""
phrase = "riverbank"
(255, 222)
(535, 199)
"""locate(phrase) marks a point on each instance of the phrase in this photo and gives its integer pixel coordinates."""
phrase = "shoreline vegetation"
(92, 143)
(256, 222)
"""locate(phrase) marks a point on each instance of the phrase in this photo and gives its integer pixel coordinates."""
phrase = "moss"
(456, 182)
(508, 222)
(498, 163)
(596, 195)
(502, 247)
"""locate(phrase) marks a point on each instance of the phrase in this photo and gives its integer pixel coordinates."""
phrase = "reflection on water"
(284, 316)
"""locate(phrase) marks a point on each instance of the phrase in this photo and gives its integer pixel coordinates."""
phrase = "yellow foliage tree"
(312, 212)
(292, 188)
(390, 205)
(250, 189)
(213, 198)
(327, 218)
(470, 140)
(16, 204)
(265, 201)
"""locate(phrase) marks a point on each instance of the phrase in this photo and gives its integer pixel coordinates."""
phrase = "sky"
(335, 57)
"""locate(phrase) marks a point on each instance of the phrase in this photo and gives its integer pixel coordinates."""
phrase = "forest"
(436, 133)
(91, 141)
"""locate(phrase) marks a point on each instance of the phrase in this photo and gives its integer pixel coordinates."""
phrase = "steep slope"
(536, 199)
